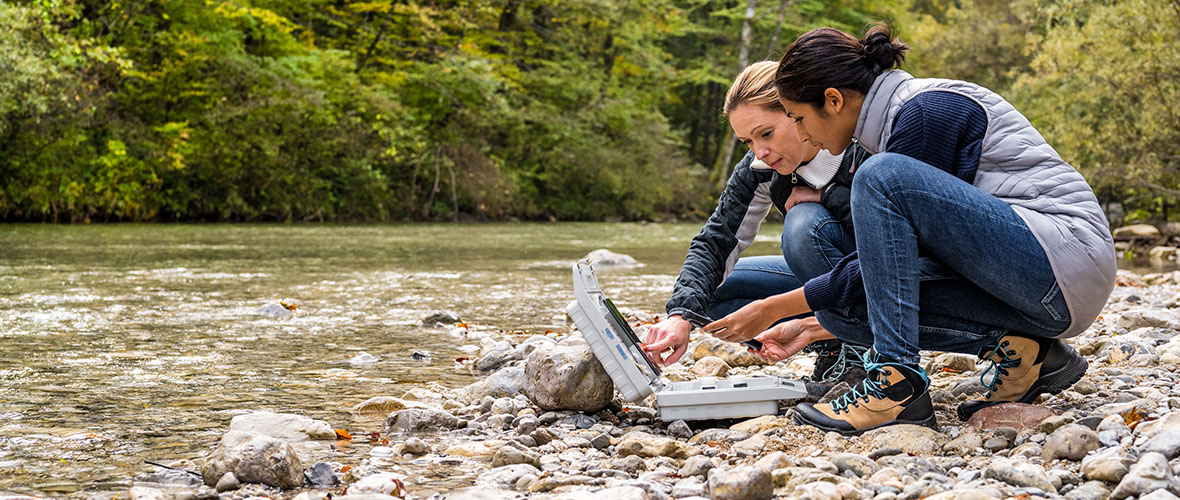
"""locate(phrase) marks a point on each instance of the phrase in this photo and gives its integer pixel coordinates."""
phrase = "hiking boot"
(891, 393)
(1024, 369)
(835, 361)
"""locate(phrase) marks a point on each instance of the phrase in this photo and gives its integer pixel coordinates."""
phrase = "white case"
(636, 377)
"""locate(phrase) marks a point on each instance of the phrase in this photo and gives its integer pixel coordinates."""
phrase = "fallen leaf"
(343, 434)
(346, 468)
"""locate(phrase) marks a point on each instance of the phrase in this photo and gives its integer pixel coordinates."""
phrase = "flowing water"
(126, 343)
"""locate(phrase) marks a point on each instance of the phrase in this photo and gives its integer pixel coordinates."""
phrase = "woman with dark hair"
(973, 236)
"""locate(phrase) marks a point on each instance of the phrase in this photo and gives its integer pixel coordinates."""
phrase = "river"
(125, 343)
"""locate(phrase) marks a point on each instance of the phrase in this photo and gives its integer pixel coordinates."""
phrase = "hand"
(745, 323)
(785, 339)
(671, 334)
(801, 194)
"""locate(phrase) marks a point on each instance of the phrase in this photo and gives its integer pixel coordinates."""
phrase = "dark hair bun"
(882, 51)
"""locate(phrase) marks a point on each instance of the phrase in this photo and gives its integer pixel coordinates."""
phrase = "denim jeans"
(812, 242)
(989, 276)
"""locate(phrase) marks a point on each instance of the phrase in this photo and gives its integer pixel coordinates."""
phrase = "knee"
(879, 176)
(800, 225)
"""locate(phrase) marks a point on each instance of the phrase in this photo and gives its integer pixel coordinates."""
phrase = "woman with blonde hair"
(808, 185)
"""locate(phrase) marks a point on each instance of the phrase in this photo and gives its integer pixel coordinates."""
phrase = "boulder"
(285, 426)
(606, 258)
(1136, 231)
(422, 420)
(567, 377)
(732, 353)
(1015, 415)
(254, 458)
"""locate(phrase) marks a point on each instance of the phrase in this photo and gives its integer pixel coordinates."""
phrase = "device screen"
(627, 333)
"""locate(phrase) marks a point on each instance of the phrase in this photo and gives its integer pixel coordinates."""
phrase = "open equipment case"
(617, 347)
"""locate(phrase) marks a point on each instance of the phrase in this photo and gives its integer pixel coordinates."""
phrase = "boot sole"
(1053, 383)
(926, 422)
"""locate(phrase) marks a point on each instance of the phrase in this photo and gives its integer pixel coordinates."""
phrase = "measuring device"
(617, 347)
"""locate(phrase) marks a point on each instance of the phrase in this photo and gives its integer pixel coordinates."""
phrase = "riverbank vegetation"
(345, 110)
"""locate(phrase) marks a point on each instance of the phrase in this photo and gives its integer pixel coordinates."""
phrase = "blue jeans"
(946, 266)
(812, 242)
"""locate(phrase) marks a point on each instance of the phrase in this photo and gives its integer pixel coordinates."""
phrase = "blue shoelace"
(848, 353)
(998, 367)
(869, 387)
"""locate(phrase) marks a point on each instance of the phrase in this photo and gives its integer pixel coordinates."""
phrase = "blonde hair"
(754, 86)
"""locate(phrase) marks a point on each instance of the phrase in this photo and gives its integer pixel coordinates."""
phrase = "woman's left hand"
(785, 339)
(743, 324)
(801, 194)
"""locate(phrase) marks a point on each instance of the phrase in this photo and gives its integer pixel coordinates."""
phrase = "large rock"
(1151, 473)
(505, 383)
(741, 483)
(1107, 465)
(254, 458)
(1136, 231)
(422, 420)
(285, 426)
(606, 258)
(1015, 415)
(567, 377)
(382, 406)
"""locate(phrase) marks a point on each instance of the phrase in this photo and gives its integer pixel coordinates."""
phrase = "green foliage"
(275, 110)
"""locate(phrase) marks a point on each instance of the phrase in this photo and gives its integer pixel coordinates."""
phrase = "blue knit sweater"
(942, 129)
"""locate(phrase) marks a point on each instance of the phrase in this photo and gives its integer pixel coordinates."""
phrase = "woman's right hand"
(669, 334)
(785, 339)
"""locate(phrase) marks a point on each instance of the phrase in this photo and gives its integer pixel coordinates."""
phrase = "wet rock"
(505, 477)
(228, 482)
(567, 377)
(508, 455)
(382, 483)
(913, 439)
(173, 477)
(605, 258)
(421, 420)
(421, 356)
(1166, 443)
(464, 494)
(740, 483)
(732, 353)
(283, 426)
(580, 420)
(274, 310)
(551, 483)
(475, 449)
(1019, 473)
(254, 458)
(679, 429)
(414, 446)
(504, 383)
(501, 353)
(648, 446)
(690, 486)
(1016, 415)
(710, 366)
(997, 443)
(382, 406)
(1151, 473)
(1070, 442)
(441, 318)
(363, 359)
(860, 465)
(321, 475)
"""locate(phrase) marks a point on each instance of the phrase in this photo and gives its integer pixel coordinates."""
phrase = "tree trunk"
(721, 168)
(778, 27)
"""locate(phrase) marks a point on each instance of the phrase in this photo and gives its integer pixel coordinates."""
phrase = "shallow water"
(126, 343)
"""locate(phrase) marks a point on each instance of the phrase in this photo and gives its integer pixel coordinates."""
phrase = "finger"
(676, 355)
(716, 326)
(658, 346)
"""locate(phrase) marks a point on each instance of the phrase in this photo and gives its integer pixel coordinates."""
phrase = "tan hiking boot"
(1024, 368)
(891, 393)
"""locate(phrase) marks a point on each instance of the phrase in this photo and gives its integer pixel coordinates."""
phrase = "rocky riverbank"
(543, 423)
